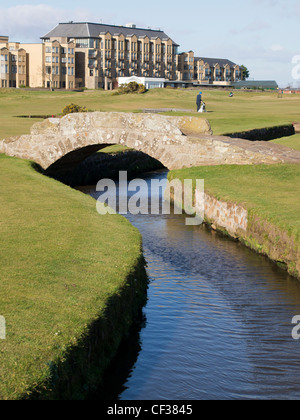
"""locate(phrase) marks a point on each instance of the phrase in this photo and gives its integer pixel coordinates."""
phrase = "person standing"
(199, 101)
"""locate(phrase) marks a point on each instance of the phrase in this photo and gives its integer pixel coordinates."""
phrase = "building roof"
(260, 84)
(93, 30)
(212, 61)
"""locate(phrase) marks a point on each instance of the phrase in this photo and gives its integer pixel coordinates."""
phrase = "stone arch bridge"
(177, 142)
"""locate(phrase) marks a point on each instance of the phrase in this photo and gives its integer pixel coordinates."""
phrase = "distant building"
(256, 84)
(103, 53)
(51, 64)
(13, 64)
(207, 71)
(148, 82)
(92, 55)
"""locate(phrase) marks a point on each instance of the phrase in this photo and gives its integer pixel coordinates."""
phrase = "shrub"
(131, 87)
(72, 108)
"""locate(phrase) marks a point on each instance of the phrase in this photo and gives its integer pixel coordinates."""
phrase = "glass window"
(82, 43)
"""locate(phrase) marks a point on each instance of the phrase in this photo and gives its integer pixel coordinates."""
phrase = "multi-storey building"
(105, 52)
(210, 71)
(95, 56)
(51, 64)
(13, 64)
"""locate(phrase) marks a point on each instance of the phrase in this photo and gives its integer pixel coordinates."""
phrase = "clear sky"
(261, 34)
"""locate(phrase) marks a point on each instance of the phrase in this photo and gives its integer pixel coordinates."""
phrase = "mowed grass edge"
(270, 191)
(61, 264)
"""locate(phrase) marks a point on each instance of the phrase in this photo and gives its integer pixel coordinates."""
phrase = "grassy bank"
(292, 142)
(270, 193)
(65, 271)
(245, 111)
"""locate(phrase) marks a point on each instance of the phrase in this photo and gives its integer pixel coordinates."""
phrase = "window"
(48, 59)
(4, 68)
(82, 43)
(48, 50)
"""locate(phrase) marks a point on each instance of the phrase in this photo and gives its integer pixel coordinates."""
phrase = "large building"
(91, 55)
(105, 52)
(51, 65)
(13, 64)
(207, 71)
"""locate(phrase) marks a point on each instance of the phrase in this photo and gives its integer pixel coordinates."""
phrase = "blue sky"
(261, 34)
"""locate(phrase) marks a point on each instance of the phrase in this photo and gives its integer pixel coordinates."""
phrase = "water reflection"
(217, 324)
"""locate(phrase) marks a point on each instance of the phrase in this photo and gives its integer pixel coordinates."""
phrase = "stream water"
(217, 324)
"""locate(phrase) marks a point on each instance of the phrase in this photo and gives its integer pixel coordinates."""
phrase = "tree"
(49, 76)
(245, 72)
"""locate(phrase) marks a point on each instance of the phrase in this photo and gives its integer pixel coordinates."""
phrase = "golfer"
(199, 101)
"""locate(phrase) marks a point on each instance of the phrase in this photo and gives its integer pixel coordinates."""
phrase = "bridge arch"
(176, 142)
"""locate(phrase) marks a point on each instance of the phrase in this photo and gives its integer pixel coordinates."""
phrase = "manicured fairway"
(245, 111)
(60, 263)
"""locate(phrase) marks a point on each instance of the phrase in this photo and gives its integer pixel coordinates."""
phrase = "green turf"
(270, 191)
(60, 262)
(245, 111)
(292, 141)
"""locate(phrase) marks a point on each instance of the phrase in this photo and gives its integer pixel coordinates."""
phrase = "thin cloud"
(27, 23)
(277, 48)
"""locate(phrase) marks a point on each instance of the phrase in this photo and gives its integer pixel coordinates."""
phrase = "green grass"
(292, 141)
(245, 111)
(269, 191)
(115, 148)
(60, 263)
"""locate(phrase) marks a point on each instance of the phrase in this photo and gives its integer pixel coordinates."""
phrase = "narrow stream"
(217, 324)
